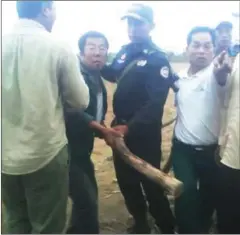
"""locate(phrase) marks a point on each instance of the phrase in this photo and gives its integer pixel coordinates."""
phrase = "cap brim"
(134, 16)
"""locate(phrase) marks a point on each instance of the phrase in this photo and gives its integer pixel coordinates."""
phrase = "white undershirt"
(198, 103)
(99, 113)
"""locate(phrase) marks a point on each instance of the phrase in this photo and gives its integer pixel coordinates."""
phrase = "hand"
(110, 135)
(217, 156)
(123, 129)
(222, 67)
(103, 124)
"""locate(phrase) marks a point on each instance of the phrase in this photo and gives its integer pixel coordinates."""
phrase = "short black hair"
(31, 9)
(224, 25)
(201, 29)
(90, 34)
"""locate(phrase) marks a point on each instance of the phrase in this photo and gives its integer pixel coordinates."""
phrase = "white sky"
(173, 20)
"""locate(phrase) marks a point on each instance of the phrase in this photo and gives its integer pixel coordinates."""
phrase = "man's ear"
(81, 53)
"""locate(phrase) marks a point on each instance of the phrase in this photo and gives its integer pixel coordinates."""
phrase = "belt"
(196, 147)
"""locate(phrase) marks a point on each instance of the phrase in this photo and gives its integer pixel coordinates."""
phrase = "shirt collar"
(185, 75)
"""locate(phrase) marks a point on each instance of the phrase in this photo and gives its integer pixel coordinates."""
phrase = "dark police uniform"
(83, 185)
(139, 103)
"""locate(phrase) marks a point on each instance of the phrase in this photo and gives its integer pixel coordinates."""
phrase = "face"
(95, 53)
(49, 16)
(201, 50)
(138, 30)
(224, 37)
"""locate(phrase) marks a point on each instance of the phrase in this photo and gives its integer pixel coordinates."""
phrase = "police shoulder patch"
(141, 63)
(164, 72)
(123, 57)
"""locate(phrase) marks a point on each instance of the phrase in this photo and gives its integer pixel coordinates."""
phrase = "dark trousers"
(228, 200)
(36, 203)
(132, 184)
(197, 169)
(84, 194)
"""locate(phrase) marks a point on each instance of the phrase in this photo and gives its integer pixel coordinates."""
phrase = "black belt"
(196, 147)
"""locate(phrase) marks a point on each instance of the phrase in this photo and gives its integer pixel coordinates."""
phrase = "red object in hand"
(123, 129)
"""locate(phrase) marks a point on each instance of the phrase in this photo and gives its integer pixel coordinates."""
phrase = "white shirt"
(229, 138)
(198, 108)
(33, 66)
(99, 114)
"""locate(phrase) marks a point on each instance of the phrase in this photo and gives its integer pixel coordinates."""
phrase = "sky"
(173, 20)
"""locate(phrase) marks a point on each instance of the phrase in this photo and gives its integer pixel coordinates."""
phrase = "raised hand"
(223, 65)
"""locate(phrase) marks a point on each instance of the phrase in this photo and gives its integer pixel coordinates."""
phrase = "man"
(223, 36)
(196, 133)
(228, 203)
(82, 127)
(144, 76)
(34, 156)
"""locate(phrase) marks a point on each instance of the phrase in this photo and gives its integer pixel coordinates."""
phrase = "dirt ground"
(113, 215)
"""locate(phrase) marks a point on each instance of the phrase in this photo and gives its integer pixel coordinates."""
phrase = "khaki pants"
(36, 203)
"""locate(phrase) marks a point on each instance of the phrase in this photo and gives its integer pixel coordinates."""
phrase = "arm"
(74, 91)
(88, 120)
(222, 68)
(109, 74)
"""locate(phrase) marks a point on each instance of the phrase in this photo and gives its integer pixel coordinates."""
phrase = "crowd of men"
(54, 105)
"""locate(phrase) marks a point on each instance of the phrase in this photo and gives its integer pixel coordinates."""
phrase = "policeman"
(143, 77)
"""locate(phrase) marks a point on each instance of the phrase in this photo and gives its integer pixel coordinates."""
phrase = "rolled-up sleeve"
(74, 90)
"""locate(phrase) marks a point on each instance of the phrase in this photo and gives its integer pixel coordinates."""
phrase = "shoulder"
(121, 53)
(156, 51)
(157, 57)
(64, 51)
(124, 48)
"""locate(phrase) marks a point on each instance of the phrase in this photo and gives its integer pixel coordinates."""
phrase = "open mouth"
(201, 58)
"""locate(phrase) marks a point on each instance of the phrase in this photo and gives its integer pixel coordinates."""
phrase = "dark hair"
(31, 9)
(91, 34)
(224, 25)
(201, 29)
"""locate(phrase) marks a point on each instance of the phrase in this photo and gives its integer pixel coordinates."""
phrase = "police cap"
(140, 12)
(224, 25)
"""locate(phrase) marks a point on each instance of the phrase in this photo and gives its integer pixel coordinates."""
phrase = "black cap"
(140, 12)
(224, 25)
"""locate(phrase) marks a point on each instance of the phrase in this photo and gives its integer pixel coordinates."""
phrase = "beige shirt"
(229, 138)
(34, 66)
